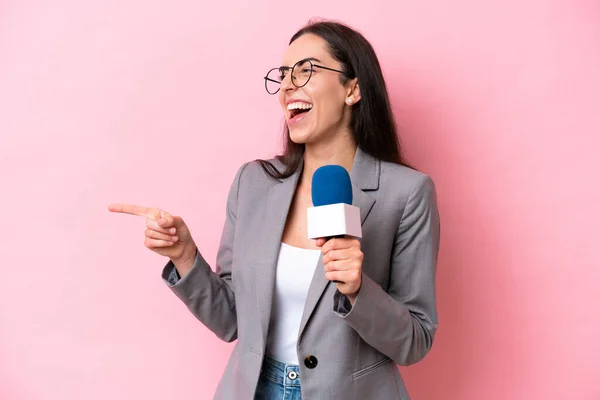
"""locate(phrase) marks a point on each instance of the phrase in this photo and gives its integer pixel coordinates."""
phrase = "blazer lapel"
(275, 214)
(364, 176)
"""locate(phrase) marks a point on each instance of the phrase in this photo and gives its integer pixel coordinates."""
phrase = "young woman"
(316, 319)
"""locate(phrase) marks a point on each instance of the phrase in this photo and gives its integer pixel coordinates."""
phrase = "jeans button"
(292, 375)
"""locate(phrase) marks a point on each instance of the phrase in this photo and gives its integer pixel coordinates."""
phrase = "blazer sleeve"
(401, 322)
(209, 295)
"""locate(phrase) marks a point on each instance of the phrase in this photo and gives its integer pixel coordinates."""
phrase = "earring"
(349, 101)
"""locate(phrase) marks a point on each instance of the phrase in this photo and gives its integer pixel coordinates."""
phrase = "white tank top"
(295, 269)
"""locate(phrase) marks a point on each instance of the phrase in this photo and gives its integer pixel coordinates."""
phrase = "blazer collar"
(365, 171)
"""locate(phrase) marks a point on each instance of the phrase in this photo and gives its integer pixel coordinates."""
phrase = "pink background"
(158, 103)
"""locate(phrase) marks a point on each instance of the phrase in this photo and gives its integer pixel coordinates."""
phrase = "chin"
(300, 136)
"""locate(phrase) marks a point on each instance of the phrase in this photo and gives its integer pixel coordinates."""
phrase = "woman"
(316, 319)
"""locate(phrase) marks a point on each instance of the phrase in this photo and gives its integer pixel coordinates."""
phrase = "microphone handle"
(335, 237)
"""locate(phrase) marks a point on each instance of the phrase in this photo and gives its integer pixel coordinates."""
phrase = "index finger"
(330, 244)
(130, 209)
(337, 243)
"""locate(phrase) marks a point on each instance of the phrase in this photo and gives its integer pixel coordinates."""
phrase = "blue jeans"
(278, 381)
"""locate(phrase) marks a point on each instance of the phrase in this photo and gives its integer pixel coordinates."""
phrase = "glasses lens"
(273, 80)
(302, 73)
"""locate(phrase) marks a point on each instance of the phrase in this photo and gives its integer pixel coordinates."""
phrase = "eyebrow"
(304, 59)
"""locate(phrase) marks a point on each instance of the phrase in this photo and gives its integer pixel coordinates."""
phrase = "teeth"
(299, 106)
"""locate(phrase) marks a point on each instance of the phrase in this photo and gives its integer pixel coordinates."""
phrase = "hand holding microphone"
(165, 234)
(343, 264)
(335, 223)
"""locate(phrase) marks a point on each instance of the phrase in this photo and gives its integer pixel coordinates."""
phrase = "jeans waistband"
(282, 373)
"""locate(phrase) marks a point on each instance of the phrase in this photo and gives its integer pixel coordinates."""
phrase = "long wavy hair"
(372, 122)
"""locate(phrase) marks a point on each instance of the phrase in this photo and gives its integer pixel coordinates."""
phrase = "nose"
(286, 84)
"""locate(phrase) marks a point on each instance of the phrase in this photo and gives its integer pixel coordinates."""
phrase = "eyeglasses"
(301, 74)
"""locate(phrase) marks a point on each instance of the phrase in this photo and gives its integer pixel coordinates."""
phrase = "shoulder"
(254, 170)
(406, 185)
(410, 196)
(252, 175)
(405, 178)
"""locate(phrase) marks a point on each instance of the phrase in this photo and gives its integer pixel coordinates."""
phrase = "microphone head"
(331, 185)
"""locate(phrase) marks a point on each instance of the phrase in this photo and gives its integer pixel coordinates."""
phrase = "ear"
(353, 91)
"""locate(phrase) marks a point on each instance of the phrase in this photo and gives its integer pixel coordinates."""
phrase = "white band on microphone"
(333, 220)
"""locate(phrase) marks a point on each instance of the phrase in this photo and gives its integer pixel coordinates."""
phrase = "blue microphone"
(332, 214)
(331, 185)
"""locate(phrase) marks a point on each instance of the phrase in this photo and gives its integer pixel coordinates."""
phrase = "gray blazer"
(345, 352)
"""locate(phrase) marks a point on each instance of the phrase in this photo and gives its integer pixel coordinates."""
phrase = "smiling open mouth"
(295, 113)
(298, 109)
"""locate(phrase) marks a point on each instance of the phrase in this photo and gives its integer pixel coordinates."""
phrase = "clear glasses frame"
(299, 78)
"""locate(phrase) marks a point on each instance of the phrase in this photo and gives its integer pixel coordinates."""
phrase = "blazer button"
(311, 362)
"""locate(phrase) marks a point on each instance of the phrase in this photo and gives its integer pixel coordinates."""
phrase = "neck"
(340, 152)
